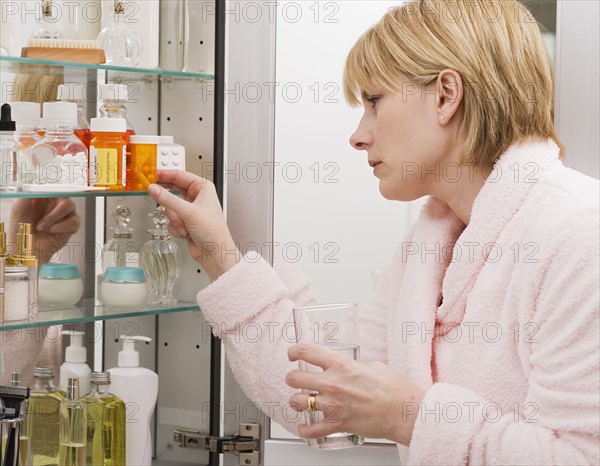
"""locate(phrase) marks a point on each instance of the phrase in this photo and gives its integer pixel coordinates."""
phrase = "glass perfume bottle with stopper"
(161, 259)
(47, 29)
(121, 43)
(121, 250)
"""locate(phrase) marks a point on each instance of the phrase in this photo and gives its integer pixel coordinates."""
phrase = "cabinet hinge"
(245, 443)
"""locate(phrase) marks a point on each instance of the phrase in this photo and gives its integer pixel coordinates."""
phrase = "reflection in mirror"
(55, 236)
(544, 11)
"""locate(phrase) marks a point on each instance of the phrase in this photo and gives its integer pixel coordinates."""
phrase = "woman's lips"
(374, 163)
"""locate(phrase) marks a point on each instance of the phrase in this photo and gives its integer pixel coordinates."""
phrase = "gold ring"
(312, 402)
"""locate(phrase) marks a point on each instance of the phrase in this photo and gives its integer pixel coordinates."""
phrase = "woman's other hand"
(371, 400)
(53, 222)
(198, 217)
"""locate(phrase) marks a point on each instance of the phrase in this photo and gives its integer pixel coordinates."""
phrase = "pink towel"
(509, 361)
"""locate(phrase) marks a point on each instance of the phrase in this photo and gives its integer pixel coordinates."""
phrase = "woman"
(481, 345)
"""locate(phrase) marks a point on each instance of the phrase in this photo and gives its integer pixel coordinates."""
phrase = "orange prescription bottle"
(107, 153)
(141, 167)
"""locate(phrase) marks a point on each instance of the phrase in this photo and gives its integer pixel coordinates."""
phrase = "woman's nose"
(361, 139)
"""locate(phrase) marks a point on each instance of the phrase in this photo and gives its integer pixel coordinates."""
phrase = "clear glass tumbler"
(334, 326)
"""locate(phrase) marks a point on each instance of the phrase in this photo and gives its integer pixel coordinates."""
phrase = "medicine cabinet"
(185, 105)
(226, 129)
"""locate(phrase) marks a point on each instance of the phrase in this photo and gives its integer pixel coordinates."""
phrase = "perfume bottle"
(121, 250)
(72, 427)
(25, 267)
(49, 17)
(161, 259)
(121, 43)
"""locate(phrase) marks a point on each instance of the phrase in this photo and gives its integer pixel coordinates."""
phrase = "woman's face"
(405, 142)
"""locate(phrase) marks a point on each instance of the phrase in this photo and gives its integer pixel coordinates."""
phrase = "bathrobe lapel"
(443, 257)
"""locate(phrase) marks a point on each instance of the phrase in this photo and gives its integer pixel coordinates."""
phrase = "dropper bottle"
(9, 152)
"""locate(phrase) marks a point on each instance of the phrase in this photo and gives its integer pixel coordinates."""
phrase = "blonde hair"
(497, 48)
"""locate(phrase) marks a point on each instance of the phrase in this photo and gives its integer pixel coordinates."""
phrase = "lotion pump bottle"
(75, 363)
(138, 386)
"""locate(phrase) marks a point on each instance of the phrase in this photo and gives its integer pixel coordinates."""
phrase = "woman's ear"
(449, 95)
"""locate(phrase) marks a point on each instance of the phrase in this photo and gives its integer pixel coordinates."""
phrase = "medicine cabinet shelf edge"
(89, 312)
(19, 65)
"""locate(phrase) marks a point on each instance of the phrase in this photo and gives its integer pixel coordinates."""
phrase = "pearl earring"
(442, 117)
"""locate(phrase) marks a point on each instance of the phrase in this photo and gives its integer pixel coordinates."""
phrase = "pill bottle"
(141, 167)
(27, 118)
(59, 158)
(108, 153)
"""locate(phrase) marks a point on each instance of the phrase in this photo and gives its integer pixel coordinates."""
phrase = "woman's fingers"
(176, 226)
(312, 353)
(186, 183)
(179, 206)
(304, 379)
(62, 209)
(319, 429)
(69, 224)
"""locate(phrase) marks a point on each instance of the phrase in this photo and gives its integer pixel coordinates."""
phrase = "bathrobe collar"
(451, 256)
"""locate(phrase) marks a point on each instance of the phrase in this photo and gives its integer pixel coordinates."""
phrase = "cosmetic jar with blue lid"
(59, 286)
(124, 287)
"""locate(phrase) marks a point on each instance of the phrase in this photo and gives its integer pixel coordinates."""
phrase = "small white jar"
(124, 287)
(59, 286)
(17, 294)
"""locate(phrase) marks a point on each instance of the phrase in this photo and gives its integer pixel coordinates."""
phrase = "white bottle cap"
(142, 139)
(129, 357)
(26, 114)
(108, 125)
(112, 92)
(166, 140)
(75, 352)
(59, 114)
(70, 92)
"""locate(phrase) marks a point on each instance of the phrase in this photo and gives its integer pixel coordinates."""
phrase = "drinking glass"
(334, 326)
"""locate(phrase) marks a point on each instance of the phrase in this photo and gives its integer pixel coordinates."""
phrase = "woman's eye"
(373, 100)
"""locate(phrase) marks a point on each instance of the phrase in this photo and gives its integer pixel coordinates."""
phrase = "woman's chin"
(395, 194)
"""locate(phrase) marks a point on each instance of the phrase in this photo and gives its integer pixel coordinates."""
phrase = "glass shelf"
(89, 312)
(50, 67)
(47, 194)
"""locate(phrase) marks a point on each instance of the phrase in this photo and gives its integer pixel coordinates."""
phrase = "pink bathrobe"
(509, 360)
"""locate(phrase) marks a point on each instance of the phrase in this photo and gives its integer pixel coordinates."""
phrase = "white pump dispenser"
(138, 387)
(75, 363)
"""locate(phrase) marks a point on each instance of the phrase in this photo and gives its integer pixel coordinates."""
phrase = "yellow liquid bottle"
(43, 414)
(106, 416)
